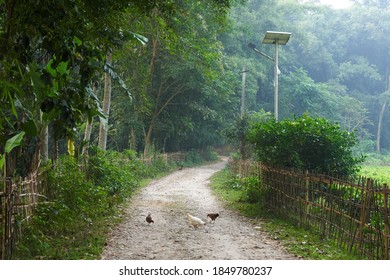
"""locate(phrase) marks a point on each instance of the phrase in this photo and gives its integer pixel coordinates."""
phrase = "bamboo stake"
(386, 234)
(363, 212)
(4, 209)
(307, 197)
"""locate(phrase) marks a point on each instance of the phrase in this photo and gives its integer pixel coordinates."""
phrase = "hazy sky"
(338, 4)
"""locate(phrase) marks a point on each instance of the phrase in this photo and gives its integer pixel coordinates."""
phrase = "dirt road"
(168, 199)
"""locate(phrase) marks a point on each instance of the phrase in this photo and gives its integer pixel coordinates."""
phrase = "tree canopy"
(306, 143)
(181, 62)
(53, 52)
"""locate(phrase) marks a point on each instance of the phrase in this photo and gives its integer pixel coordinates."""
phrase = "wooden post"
(307, 197)
(243, 91)
(7, 220)
(386, 234)
(364, 204)
(4, 209)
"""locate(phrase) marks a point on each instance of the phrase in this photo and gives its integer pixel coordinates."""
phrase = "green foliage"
(117, 173)
(375, 159)
(376, 172)
(300, 242)
(250, 188)
(209, 155)
(181, 65)
(75, 206)
(156, 167)
(334, 75)
(231, 191)
(196, 157)
(11, 143)
(306, 143)
(83, 201)
(193, 157)
(237, 135)
(237, 132)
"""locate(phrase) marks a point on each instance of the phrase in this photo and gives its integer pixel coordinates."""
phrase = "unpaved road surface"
(230, 237)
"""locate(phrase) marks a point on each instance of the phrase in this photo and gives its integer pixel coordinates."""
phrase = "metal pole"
(243, 91)
(276, 82)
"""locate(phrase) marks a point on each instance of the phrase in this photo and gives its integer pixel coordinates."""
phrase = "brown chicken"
(149, 219)
(213, 216)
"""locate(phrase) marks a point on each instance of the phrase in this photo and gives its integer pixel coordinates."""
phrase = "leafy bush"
(194, 157)
(115, 172)
(83, 198)
(238, 131)
(306, 143)
(250, 188)
(209, 155)
(74, 204)
(376, 159)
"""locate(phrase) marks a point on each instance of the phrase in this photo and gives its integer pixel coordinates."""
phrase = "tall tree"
(385, 97)
(106, 106)
(183, 55)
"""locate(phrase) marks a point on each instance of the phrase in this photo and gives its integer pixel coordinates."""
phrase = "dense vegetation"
(173, 72)
(305, 143)
(82, 205)
(328, 68)
(84, 202)
(152, 76)
(53, 56)
(244, 195)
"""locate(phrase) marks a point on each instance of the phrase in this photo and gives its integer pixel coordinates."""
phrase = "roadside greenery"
(377, 167)
(306, 143)
(85, 200)
(379, 173)
(180, 63)
(244, 195)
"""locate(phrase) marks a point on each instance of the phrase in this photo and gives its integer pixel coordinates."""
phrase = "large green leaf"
(142, 39)
(128, 35)
(108, 69)
(62, 68)
(30, 127)
(14, 142)
(1, 161)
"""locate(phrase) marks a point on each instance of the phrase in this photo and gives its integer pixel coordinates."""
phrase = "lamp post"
(277, 38)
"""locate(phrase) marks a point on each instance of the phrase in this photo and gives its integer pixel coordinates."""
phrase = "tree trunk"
(133, 140)
(148, 138)
(106, 107)
(87, 137)
(88, 130)
(159, 108)
(379, 131)
(45, 143)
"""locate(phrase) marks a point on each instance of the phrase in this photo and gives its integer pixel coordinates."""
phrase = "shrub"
(115, 172)
(249, 187)
(194, 157)
(74, 204)
(82, 198)
(306, 143)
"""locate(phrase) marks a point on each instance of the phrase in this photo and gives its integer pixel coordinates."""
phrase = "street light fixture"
(253, 47)
(277, 38)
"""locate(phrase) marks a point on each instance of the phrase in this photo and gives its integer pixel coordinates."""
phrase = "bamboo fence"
(17, 202)
(19, 197)
(355, 213)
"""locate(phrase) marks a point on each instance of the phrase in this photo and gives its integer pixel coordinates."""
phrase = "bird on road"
(149, 219)
(213, 216)
(195, 221)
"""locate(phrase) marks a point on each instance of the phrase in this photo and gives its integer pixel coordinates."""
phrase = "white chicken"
(196, 222)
